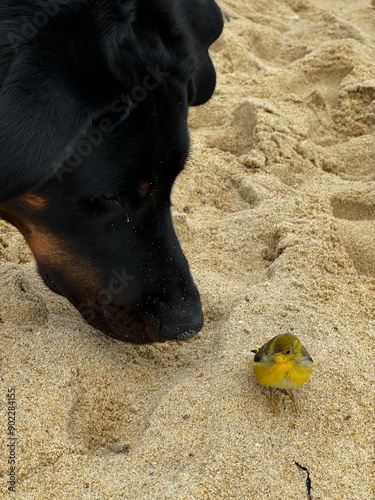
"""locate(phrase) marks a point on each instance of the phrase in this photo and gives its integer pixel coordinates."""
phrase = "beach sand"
(276, 214)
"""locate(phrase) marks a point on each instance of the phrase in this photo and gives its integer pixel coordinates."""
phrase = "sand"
(276, 213)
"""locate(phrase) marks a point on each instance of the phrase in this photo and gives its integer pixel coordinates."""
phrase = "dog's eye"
(111, 197)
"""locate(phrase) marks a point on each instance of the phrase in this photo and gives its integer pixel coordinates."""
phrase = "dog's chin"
(134, 324)
(129, 329)
(146, 330)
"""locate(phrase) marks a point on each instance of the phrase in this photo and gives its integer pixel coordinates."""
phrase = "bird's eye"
(287, 352)
(111, 196)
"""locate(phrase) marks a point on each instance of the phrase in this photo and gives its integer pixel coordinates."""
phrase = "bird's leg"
(272, 402)
(293, 399)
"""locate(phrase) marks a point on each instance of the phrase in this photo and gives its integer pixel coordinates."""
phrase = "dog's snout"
(183, 325)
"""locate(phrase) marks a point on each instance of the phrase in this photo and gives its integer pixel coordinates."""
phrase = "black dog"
(94, 97)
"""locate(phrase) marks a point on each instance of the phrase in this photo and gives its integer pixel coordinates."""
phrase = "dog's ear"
(204, 21)
(42, 115)
(54, 85)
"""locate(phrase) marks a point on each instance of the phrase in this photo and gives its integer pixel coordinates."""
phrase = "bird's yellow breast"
(283, 373)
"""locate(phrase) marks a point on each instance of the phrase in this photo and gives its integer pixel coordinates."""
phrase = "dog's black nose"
(183, 323)
(181, 331)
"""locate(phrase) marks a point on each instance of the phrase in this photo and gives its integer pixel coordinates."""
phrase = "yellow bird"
(282, 363)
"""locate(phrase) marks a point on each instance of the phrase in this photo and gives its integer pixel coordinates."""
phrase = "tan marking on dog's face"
(144, 189)
(51, 253)
(54, 253)
(35, 201)
(21, 210)
(12, 215)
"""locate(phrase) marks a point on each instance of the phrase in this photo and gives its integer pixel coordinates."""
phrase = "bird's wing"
(262, 353)
(306, 354)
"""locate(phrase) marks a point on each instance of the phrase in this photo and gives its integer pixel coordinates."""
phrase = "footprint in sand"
(355, 213)
(20, 301)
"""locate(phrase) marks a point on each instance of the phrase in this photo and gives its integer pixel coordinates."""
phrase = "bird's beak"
(279, 357)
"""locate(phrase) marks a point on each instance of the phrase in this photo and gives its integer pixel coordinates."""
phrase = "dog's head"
(93, 133)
